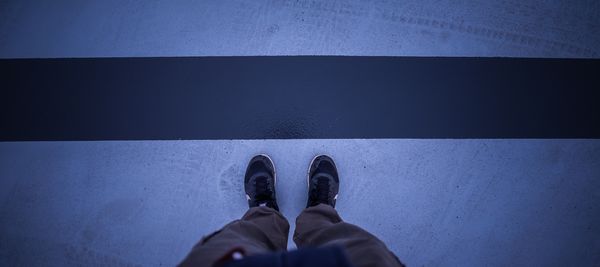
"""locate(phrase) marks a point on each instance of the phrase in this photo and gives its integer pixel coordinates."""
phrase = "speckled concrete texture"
(109, 28)
(434, 202)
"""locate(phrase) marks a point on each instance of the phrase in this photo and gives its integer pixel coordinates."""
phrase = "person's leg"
(320, 225)
(261, 229)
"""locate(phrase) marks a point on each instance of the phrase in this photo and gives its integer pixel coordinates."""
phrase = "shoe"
(259, 182)
(323, 182)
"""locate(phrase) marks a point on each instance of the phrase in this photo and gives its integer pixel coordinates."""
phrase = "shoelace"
(323, 190)
(263, 190)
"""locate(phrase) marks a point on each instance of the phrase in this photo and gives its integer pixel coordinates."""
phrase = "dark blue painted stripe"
(298, 97)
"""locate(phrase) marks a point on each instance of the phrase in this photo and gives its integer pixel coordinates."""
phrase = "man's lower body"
(263, 228)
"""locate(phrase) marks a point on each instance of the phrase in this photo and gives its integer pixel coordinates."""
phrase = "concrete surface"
(124, 28)
(434, 202)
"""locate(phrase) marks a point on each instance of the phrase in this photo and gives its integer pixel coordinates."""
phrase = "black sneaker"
(323, 182)
(259, 182)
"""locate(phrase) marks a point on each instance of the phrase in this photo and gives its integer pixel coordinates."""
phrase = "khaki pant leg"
(260, 230)
(321, 225)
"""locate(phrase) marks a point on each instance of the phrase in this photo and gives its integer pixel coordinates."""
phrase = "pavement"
(128, 28)
(450, 202)
(433, 202)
